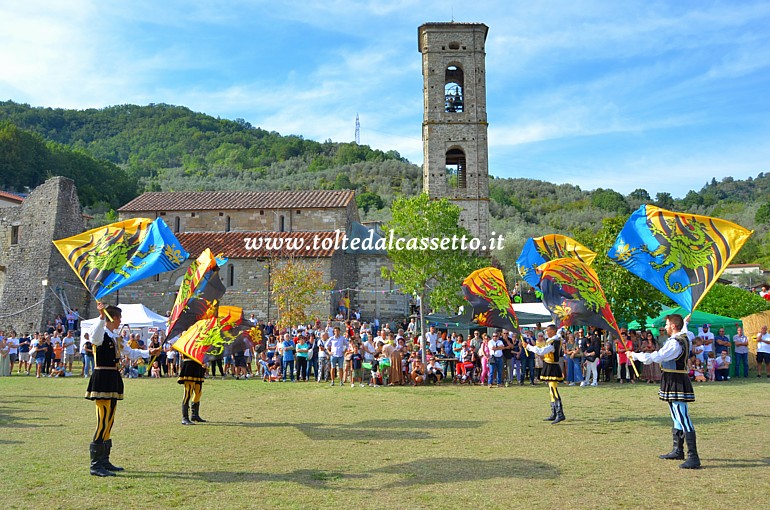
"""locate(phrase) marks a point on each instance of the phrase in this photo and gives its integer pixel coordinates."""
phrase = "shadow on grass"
(8, 441)
(735, 463)
(442, 470)
(11, 417)
(313, 478)
(662, 420)
(382, 430)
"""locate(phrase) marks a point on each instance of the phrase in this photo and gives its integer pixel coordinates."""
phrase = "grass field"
(312, 446)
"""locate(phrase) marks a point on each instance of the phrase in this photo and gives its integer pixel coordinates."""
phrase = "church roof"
(238, 200)
(250, 245)
(13, 197)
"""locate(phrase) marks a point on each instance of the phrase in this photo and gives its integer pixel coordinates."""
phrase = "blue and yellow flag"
(539, 250)
(682, 255)
(108, 258)
(574, 296)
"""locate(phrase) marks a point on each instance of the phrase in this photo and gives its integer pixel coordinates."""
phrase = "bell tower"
(454, 126)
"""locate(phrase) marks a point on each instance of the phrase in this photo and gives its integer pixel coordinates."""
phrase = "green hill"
(165, 148)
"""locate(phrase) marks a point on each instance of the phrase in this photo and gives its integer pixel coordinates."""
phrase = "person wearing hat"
(551, 372)
(676, 388)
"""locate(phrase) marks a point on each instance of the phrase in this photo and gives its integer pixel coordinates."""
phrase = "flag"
(682, 255)
(200, 289)
(485, 290)
(108, 258)
(539, 250)
(574, 296)
(219, 332)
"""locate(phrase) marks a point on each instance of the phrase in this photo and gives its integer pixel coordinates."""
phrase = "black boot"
(553, 413)
(186, 415)
(106, 463)
(196, 406)
(559, 413)
(693, 461)
(97, 451)
(678, 452)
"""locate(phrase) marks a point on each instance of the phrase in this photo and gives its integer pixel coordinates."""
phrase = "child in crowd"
(155, 371)
(711, 366)
(356, 362)
(607, 359)
(698, 375)
(58, 370)
(697, 349)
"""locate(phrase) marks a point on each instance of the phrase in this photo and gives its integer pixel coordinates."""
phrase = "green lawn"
(312, 446)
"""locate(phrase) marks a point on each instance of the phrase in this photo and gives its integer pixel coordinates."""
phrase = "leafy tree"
(369, 200)
(732, 302)
(665, 200)
(297, 285)
(763, 214)
(630, 297)
(430, 273)
(342, 181)
(609, 200)
(692, 199)
(640, 194)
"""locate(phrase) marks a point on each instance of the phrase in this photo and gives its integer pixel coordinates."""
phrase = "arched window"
(454, 82)
(455, 168)
(230, 275)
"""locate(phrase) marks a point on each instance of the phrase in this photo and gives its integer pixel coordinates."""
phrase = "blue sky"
(619, 94)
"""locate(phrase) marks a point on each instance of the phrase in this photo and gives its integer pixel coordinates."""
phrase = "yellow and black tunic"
(191, 371)
(551, 367)
(106, 382)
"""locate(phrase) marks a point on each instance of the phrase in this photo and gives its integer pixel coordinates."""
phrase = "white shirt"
(69, 345)
(763, 347)
(707, 348)
(97, 339)
(670, 350)
(432, 339)
(493, 344)
(13, 345)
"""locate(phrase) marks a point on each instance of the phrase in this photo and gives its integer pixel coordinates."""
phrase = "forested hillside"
(165, 148)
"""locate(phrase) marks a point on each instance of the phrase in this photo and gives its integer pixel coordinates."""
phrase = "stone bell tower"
(454, 126)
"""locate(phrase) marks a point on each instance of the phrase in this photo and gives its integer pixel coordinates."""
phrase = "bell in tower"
(454, 128)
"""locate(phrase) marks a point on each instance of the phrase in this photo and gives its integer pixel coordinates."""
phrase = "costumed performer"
(191, 375)
(551, 373)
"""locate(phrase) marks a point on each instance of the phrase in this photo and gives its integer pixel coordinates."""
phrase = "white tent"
(532, 313)
(137, 317)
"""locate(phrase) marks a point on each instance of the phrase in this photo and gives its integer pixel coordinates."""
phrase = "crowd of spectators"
(356, 352)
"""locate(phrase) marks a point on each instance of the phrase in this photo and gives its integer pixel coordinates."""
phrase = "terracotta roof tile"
(238, 200)
(11, 196)
(260, 244)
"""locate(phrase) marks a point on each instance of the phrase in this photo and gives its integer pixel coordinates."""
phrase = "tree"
(732, 302)
(692, 199)
(630, 297)
(640, 194)
(665, 200)
(297, 285)
(369, 200)
(609, 200)
(430, 273)
(763, 214)
(342, 181)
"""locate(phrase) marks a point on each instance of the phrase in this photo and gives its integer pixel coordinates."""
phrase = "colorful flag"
(539, 250)
(108, 258)
(219, 332)
(485, 290)
(682, 255)
(200, 290)
(574, 296)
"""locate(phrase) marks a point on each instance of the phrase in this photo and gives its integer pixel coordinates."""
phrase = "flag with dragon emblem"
(108, 258)
(216, 333)
(574, 296)
(200, 289)
(485, 290)
(682, 255)
(539, 250)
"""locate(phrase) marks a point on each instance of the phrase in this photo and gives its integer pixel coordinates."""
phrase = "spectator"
(88, 356)
(302, 353)
(763, 352)
(711, 365)
(741, 353)
(5, 360)
(527, 359)
(574, 357)
(336, 346)
(356, 362)
(155, 371)
(312, 357)
(68, 350)
(607, 360)
(591, 353)
(650, 371)
(323, 359)
(723, 366)
(13, 348)
(287, 357)
(623, 347)
(722, 342)
(495, 348)
(24, 358)
(708, 340)
(432, 339)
